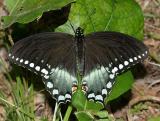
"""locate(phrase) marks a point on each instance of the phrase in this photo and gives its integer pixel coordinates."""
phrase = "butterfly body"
(60, 58)
(80, 51)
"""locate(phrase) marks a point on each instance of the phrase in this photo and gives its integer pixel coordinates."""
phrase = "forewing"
(107, 55)
(50, 55)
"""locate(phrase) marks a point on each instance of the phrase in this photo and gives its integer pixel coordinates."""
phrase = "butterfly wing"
(50, 55)
(107, 55)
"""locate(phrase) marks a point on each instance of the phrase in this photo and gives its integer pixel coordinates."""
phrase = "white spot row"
(126, 63)
(98, 97)
(56, 92)
(61, 97)
(32, 65)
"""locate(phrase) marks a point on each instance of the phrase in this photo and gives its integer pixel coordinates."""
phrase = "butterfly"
(60, 57)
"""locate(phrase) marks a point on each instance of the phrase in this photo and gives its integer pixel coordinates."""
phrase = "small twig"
(156, 2)
(155, 64)
(146, 4)
(10, 39)
(154, 83)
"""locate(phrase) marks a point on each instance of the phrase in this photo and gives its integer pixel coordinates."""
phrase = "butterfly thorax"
(80, 51)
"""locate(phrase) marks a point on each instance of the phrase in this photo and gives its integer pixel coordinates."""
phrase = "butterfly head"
(79, 32)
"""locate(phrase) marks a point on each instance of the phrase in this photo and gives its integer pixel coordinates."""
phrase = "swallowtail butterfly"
(97, 57)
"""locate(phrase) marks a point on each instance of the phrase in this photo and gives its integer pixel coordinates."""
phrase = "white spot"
(44, 71)
(110, 65)
(55, 92)
(91, 95)
(67, 96)
(74, 83)
(104, 92)
(120, 66)
(135, 58)
(21, 60)
(109, 85)
(31, 65)
(99, 97)
(143, 54)
(13, 57)
(131, 60)
(17, 59)
(139, 56)
(26, 62)
(115, 69)
(49, 85)
(111, 76)
(46, 76)
(116, 59)
(146, 52)
(61, 98)
(126, 63)
(49, 66)
(42, 61)
(37, 68)
(9, 54)
(84, 82)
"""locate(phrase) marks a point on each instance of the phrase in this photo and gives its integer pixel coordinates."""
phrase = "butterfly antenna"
(72, 27)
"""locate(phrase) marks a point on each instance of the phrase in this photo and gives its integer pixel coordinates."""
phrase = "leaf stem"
(55, 112)
(68, 113)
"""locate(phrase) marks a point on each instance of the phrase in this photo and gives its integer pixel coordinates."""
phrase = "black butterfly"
(97, 57)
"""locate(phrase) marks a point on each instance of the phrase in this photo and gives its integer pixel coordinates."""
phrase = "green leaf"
(112, 15)
(123, 84)
(94, 106)
(25, 11)
(103, 116)
(80, 102)
(93, 116)
(84, 116)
